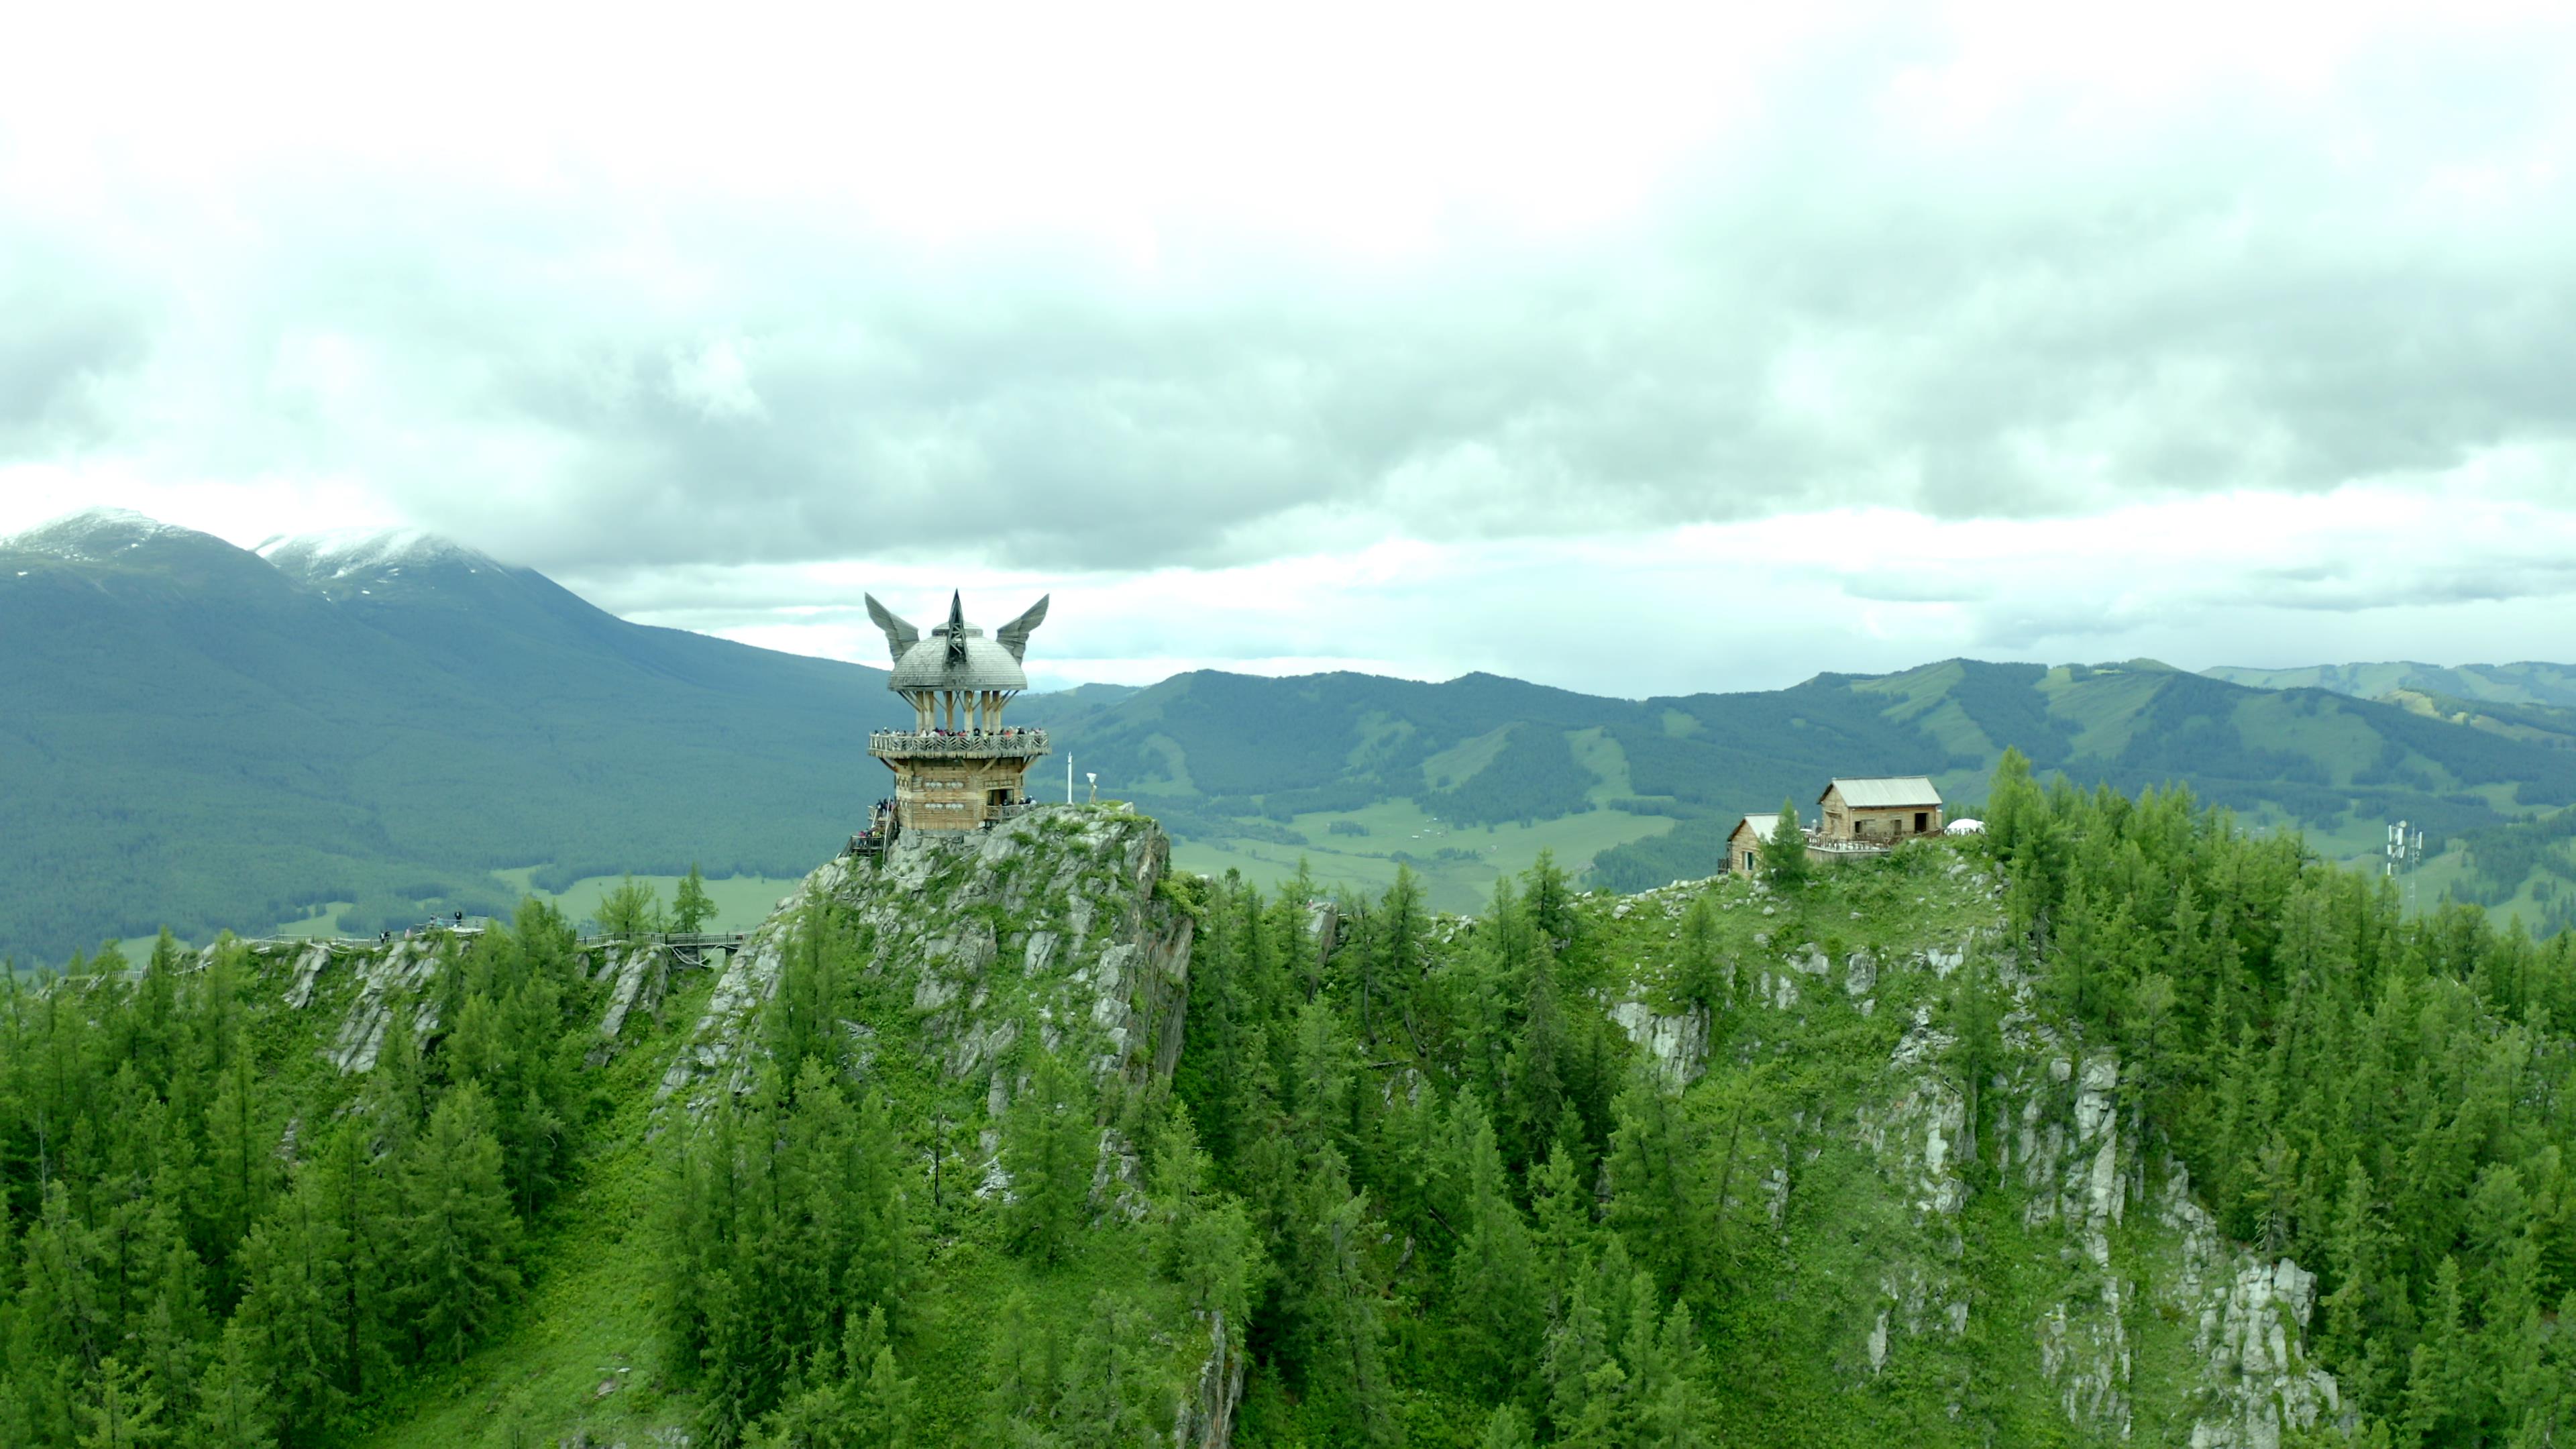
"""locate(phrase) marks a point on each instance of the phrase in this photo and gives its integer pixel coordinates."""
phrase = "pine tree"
(120, 1411)
(459, 1235)
(352, 1191)
(1702, 976)
(885, 1405)
(241, 1160)
(1549, 896)
(1112, 1395)
(291, 1269)
(633, 907)
(1672, 1410)
(1391, 966)
(1506, 1429)
(1212, 1048)
(691, 906)
(1020, 1369)
(1657, 1200)
(804, 1021)
(1048, 1146)
(1538, 1099)
(1201, 1240)
(1495, 1279)
(398, 1090)
(2440, 1375)
(2351, 1340)
(1784, 855)
(513, 1046)
(1562, 1206)
(1585, 1384)
(232, 1407)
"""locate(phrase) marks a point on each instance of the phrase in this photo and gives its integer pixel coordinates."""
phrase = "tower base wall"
(956, 792)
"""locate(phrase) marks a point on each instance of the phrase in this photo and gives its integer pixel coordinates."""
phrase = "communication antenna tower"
(2403, 853)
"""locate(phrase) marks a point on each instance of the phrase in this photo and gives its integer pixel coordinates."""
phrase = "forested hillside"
(2120, 1125)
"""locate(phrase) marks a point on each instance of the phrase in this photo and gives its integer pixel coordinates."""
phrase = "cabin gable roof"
(1885, 792)
(1761, 825)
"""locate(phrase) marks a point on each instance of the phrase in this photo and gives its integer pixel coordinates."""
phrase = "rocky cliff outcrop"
(2152, 1324)
(361, 983)
(1052, 924)
(2139, 1256)
(1055, 929)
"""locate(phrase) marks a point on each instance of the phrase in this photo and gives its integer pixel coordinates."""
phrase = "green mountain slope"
(1255, 772)
(2552, 725)
(200, 737)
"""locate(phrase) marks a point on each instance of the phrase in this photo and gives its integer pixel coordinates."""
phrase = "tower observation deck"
(959, 767)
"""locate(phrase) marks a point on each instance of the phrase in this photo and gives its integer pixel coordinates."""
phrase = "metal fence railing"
(985, 744)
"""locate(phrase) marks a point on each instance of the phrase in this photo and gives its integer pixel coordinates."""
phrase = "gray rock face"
(640, 974)
(724, 1029)
(2250, 1317)
(1678, 1045)
(374, 975)
(405, 966)
(2056, 1125)
(308, 974)
(1207, 1415)
(1049, 924)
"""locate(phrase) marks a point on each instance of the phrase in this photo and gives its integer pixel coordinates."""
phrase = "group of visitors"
(386, 938)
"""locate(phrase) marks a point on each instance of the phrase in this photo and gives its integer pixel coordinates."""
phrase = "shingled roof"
(1886, 792)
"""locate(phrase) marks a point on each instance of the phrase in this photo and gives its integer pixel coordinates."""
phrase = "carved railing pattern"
(987, 745)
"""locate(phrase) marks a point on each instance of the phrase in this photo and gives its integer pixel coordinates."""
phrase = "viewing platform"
(1007, 744)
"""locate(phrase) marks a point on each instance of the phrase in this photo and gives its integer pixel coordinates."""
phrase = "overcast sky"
(1603, 350)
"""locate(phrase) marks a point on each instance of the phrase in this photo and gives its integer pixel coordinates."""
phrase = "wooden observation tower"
(959, 767)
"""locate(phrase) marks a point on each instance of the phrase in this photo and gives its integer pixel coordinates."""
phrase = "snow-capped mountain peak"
(347, 553)
(94, 535)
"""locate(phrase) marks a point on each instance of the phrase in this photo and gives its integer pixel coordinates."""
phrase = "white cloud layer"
(1617, 349)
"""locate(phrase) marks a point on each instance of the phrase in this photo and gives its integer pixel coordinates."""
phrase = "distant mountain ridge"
(1255, 772)
(2527, 682)
(197, 731)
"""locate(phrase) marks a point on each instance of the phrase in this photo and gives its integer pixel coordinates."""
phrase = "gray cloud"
(2069, 302)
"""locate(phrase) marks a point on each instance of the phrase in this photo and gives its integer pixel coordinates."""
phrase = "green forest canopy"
(1544, 1243)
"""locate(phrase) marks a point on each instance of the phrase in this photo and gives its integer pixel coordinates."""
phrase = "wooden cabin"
(1744, 844)
(1878, 811)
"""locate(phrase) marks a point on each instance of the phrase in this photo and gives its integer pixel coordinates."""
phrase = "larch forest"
(2119, 1123)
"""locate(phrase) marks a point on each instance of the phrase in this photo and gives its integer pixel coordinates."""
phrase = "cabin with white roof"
(1880, 810)
(1744, 844)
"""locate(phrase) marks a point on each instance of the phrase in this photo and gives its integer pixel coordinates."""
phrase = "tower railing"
(965, 744)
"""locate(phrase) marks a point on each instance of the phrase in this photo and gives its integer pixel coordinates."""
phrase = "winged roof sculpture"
(957, 655)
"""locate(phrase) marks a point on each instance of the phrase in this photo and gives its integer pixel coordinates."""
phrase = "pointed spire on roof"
(956, 630)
